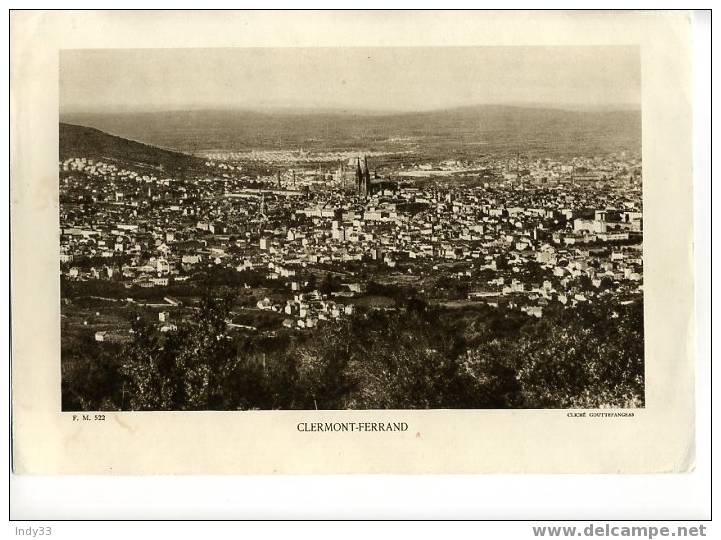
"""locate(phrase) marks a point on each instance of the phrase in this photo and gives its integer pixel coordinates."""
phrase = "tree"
(330, 284)
(311, 284)
(324, 380)
(501, 262)
(91, 379)
(182, 370)
(594, 359)
(495, 383)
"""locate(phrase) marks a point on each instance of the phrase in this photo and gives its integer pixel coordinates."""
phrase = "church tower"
(358, 175)
(366, 180)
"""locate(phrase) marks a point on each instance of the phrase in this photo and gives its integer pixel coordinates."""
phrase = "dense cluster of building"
(525, 232)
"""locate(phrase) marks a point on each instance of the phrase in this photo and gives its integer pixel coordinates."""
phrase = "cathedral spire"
(358, 174)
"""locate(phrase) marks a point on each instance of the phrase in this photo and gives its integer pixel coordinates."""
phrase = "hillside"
(81, 141)
(467, 130)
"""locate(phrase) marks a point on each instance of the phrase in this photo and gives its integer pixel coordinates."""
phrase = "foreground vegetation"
(416, 357)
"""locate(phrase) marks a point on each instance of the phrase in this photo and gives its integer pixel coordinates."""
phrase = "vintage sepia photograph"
(351, 228)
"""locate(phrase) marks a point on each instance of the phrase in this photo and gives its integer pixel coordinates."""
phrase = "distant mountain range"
(81, 141)
(466, 130)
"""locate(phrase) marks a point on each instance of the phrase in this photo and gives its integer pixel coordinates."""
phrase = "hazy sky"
(347, 78)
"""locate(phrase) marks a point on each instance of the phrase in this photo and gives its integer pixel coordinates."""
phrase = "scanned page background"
(659, 438)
